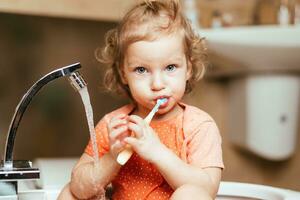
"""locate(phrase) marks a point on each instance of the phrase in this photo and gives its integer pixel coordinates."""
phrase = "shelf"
(111, 10)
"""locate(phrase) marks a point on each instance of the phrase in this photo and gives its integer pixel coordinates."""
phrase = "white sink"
(39, 194)
(263, 63)
(227, 190)
(255, 47)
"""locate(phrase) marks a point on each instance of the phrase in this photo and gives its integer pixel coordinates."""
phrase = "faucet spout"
(77, 81)
(21, 107)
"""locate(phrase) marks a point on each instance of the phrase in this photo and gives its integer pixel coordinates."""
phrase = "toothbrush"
(159, 102)
(124, 155)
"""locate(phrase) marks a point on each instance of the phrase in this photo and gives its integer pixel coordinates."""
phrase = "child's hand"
(145, 142)
(117, 131)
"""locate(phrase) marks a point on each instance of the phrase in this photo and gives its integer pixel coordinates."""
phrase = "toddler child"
(153, 54)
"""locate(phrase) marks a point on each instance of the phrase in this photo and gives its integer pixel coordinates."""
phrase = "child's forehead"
(165, 41)
(147, 35)
(163, 49)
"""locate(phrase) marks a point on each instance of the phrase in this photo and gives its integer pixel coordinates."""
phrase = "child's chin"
(164, 110)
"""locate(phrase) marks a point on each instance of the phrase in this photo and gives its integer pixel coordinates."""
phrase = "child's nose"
(157, 82)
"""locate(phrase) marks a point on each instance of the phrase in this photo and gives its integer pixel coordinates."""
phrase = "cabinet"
(111, 10)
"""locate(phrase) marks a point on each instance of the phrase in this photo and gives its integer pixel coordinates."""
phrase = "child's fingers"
(120, 116)
(117, 132)
(136, 119)
(132, 141)
(117, 145)
(138, 131)
(115, 123)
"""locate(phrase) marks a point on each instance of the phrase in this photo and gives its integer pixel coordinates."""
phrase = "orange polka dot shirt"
(193, 136)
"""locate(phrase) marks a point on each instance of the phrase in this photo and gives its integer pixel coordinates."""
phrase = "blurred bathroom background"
(37, 37)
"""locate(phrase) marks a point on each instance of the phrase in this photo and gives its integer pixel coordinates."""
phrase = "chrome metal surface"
(22, 169)
(77, 81)
(21, 107)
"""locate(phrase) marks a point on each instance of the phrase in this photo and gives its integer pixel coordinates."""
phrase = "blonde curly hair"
(148, 21)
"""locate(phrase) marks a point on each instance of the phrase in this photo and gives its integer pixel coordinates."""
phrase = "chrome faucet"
(10, 170)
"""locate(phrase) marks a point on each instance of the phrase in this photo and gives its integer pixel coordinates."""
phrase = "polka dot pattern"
(193, 136)
(139, 179)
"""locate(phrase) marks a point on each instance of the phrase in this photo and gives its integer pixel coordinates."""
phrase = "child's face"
(156, 69)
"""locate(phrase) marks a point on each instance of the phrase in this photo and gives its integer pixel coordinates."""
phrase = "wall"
(54, 124)
(242, 166)
(240, 12)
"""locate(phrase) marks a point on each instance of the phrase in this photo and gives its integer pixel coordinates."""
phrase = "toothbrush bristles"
(161, 101)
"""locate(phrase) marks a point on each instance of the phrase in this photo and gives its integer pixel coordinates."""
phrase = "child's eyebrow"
(171, 60)
(176, 59)
(134, 62)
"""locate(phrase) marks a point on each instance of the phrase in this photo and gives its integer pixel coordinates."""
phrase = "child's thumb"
(131, 141)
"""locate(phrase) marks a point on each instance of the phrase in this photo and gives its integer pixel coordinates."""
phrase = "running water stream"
(90, 119)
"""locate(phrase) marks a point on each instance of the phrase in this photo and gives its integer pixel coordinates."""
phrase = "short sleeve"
(204, 148)
(101, 138)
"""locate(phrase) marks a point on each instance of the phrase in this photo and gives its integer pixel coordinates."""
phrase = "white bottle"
(283, 16)
(297, 14)
(191, 13)
(216, 20)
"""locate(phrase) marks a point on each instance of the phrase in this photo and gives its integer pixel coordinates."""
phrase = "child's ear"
(189, 70)
(123, 77)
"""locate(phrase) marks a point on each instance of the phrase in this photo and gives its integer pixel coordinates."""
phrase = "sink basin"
(39, 194)
(254, 48)
(263, 63)
(227, 191)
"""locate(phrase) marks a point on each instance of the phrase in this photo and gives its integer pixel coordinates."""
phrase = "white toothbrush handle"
(150, 116)
(125, 155)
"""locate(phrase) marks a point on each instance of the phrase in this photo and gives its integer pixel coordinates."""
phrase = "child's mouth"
(165, 104)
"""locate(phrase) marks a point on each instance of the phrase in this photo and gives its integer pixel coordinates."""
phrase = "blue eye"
(140, 70)
(170, 68)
